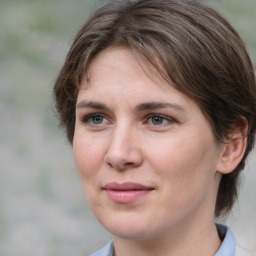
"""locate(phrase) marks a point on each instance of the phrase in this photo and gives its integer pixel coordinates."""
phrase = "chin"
(126, 227)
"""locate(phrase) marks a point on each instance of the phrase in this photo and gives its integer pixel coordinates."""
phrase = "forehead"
(121, 59)
(119, 73)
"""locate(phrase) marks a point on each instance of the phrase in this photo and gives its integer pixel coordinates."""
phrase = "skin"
(120, 136)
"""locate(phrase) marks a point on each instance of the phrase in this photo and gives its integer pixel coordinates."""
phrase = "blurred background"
(42, 207)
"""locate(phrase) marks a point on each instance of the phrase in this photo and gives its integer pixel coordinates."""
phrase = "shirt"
(228, 246)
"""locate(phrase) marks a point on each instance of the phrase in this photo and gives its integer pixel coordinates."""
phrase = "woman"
(158, 99)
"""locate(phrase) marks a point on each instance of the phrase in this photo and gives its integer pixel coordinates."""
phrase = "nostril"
(124, 159)
(120, 166)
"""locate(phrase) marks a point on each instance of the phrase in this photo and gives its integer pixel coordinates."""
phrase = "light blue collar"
(228, 246)
(107, 250)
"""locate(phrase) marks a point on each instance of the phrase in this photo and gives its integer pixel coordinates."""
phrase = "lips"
(126, 192)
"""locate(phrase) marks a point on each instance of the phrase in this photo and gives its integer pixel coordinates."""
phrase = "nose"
(124, 150)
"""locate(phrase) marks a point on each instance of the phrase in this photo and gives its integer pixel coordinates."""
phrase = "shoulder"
(229, 247)
(240, 251)
(107, 250)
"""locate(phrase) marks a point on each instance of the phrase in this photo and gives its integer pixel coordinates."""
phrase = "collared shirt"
(228, 246)
(107, 250)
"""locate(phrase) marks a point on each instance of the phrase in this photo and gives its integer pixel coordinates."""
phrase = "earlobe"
(233, 151)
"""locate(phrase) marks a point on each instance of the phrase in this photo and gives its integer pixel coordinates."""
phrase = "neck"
(187, 240)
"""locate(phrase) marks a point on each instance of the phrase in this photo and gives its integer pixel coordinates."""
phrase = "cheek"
(88, 160)
(185, 167)
(88, 156)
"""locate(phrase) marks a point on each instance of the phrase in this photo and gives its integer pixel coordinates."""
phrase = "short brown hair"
(192, 46)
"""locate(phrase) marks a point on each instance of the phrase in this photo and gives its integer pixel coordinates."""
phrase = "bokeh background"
(42, 207)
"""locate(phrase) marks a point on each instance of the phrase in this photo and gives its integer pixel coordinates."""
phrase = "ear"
(233, 151)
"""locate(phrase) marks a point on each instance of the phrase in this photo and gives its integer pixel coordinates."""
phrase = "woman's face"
(146, 154)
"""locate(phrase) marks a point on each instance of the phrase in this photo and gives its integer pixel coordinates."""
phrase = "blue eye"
(159, 120)
(97, 119)
(94, 119)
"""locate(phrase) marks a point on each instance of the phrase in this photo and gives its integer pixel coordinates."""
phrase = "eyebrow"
(91, 104)
(159, 105)
(141, 107)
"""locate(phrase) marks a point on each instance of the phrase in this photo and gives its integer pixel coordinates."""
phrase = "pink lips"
(126, 192)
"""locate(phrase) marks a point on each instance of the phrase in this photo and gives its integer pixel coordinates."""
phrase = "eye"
(159, 120)
(95, 119)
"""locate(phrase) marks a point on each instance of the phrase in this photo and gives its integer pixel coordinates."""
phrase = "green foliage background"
(42, 207)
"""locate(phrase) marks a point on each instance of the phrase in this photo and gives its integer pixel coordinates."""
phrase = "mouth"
(127, 192)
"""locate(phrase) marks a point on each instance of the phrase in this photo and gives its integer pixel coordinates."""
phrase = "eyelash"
(163, 117)
(88, 119)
